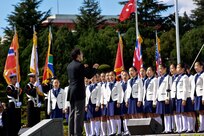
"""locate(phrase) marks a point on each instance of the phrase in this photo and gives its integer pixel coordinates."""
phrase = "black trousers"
(76, 118)
(3, 131)
(14, 119)
(33, 114)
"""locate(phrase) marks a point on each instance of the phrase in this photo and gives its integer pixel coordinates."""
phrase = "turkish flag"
(127, 10)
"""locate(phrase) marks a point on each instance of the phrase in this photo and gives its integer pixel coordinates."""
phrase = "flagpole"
(17, 62)
(136, 20)
(196, 57)
(177, 33)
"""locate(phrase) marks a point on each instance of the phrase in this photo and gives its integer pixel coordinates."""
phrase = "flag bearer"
(14, 94)
(34, 101)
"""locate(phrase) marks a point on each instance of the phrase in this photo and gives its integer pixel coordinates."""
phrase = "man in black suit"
(76, 94)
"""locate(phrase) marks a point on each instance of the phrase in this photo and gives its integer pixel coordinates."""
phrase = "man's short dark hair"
(75, 52)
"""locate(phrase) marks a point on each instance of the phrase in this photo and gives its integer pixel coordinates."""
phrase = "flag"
(157, 54)
(34, 56)
(48, 68)
(127, 10)
(12, 62)
(34, 63)
(119, 65)
(137, 58)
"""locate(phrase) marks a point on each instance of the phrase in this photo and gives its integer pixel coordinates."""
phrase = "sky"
(108, 7)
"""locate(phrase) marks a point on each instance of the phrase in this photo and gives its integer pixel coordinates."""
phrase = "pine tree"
(24, 17)
(198, 13)
(90, 17)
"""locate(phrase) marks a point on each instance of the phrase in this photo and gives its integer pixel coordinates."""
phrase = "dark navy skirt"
(148, 107)
(179, 106)
(104, 111)
(91, 113)
(56, 113)
(86, 116)
(162, 108)
(173, 104)
(198, 103)
(189, 105)
(124, 108)
(112, 109)
(132, 106)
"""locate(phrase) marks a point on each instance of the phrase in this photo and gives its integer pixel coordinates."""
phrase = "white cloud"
(183, 5)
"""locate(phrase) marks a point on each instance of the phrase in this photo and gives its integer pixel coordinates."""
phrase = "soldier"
(46, 87)
(14, 94)
(34, 100)
(56, 101)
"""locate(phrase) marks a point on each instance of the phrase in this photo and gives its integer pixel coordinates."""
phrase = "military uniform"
(14, 111)
(33, 105)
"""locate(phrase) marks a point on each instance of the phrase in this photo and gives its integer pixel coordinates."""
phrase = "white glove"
(36, 84)
(39, 105)
(18, 104)
(17, 85)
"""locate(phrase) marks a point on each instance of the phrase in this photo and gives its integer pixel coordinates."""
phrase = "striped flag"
(119, 64)
(137, 58)
(34, 62)
(12, 62)
(34, 56)
(48, 68)
(157, 54)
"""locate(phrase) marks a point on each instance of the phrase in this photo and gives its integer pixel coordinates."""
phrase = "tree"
(90, 17)
(150, 19)
(24, 17)
(191, 43)
(198, 13)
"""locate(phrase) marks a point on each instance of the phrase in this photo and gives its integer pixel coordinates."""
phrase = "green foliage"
(104, 68)
(191, 43)
(98, 42)
(168, 46)
(198, 13)
(90, 17)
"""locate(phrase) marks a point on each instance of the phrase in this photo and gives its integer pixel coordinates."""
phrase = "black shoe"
(201, 131)
(184, 131)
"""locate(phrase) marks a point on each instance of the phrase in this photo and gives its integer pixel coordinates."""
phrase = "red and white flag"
(127, 10)
(137, 58)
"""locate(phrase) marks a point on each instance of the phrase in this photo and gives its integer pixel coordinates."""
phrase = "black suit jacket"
(76, 73)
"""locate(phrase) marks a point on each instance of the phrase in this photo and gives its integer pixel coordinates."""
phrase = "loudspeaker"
(144, 126)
